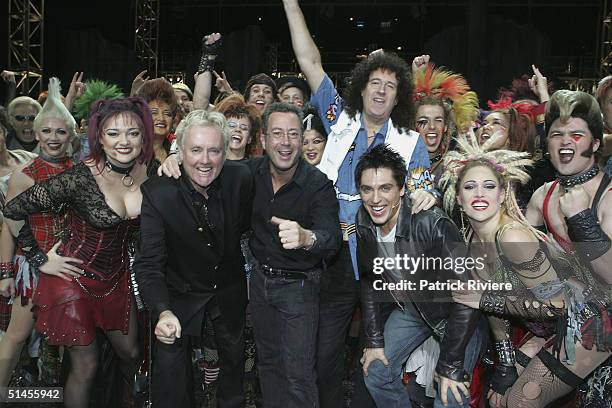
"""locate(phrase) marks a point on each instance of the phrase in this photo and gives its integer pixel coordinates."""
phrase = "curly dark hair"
(403, 113)
(382, 156)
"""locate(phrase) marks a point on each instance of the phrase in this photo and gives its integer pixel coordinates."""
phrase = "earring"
(464, 228)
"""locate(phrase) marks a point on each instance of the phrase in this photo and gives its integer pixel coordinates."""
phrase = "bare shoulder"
(18, 182)
(518, 243)
(538, 196)
(516, 232)
(605, 211)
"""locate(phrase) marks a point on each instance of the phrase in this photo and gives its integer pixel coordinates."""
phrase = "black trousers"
(172, 382)
(285, 316)
(338, 299)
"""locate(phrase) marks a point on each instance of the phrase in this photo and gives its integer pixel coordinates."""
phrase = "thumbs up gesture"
(291, 234)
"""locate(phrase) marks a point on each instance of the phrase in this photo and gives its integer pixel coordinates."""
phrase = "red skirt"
(68, 313)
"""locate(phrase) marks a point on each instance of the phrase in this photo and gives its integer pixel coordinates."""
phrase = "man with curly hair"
(377, 108)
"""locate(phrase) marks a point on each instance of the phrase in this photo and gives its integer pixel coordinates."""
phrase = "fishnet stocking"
(536, 387)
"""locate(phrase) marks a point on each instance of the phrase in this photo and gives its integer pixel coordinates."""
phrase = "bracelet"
(491, 303)
(37, 260)
(505, 352)
(584, 228)
(6, 270)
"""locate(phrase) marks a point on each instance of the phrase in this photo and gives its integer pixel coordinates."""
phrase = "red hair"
(105, 109)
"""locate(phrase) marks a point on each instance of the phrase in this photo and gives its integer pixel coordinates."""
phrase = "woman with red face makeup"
(559, 301)
(84, 282)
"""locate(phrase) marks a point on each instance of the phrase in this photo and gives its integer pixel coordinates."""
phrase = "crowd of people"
(148, 236)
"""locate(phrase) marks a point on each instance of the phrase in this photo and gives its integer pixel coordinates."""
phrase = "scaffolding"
(605, 51)
(26, 44)
(147, 34)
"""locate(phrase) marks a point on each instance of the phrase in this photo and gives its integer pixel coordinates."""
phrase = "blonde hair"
(201, 117)
(22, 101)
(55, 108)
(508, 166)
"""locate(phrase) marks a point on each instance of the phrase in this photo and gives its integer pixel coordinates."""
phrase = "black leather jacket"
(429, 233)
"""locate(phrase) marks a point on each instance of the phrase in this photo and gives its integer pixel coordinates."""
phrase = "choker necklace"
(50, 159)
(127, 180)
(576, 179)
(436, 158)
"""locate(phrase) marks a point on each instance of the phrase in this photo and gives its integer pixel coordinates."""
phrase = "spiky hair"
(94, 90)
(55, 108)
(450, 87)
(508, 166)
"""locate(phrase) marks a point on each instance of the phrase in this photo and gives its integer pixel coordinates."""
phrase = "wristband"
(491, 303)
(6, 270)
(505, 352)
(584, 228)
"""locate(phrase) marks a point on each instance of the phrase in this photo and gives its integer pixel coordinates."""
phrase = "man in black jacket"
(190, 262)
(295, 226)
(388, 234)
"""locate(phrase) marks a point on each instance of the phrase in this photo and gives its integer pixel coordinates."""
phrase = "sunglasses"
(22, 118)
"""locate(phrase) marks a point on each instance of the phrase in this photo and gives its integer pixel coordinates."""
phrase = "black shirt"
(208, 210)
(310, 200)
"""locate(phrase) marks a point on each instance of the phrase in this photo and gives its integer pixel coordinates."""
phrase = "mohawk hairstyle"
(54, 108)
(565, 104)
(159, 89)
(94, 90)
(508, 166)
(450, 87)
(382, 156)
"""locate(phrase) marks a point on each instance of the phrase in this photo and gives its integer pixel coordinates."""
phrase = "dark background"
(490, 42)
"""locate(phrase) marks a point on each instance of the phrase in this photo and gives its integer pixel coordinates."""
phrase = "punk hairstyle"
(283, 108)
(382, 156)
(54, 108)
(159, 89)
(105, 109)
(403, 113)
(521, 128)
(312, 121)
(564, 104)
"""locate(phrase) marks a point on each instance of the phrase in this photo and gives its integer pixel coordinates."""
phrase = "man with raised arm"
(377, 108)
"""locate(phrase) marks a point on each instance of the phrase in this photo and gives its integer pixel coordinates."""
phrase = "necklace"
(51, 159)
(127, 180)
(436, 158)
(576, 179)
